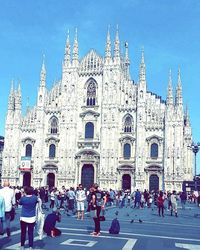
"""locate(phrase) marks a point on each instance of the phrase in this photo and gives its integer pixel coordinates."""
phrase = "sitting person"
(50, 223)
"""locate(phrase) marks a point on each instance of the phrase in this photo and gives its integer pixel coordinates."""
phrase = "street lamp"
(195, 149)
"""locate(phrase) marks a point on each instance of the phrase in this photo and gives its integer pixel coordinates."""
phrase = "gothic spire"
(11, 99)
(187, 117)
(67, 56)
(142, 68)
(179, 99)
(170, 90)
(127, 61)
(108, 46)
(117, 46)
(75, 50)
(27, 105)
(43, 74)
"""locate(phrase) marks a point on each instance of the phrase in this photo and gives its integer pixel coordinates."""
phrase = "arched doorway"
(153, 182)
(27, 179)
(51, 180)
(126, 182)
(87, 175)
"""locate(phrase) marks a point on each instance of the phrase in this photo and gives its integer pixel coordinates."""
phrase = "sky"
(168, 30)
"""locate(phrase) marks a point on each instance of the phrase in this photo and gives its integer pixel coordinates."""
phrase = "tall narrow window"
(28, 150)
(154, 150)
(52, 151)
(91, 94)
(89, 130)
(128, 125)
(127, 151)
(54, 125)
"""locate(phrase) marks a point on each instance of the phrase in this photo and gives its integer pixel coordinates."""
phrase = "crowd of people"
(72, 201)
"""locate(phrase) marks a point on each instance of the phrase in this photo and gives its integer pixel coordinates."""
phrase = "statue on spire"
(67, 56)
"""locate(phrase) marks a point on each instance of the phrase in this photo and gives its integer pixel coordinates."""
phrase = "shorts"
(80, 205)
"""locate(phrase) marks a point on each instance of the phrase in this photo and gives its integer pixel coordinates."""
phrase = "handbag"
(102, 218)
(93, 213)
(12, 214)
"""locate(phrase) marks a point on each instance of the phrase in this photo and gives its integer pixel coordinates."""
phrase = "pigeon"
(116, 213)
(131, 221)
(140, 220)
(127, 214)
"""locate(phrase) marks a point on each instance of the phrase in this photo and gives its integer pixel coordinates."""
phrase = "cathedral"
(98, 125)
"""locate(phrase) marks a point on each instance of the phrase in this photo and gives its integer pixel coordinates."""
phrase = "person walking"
(9, 198)
(28, 215)
(160, 203)
(97, 204)
(183, 197)
(80, 198)
(2, 214)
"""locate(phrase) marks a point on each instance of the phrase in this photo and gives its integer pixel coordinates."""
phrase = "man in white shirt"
(9, 198)
(80, 198)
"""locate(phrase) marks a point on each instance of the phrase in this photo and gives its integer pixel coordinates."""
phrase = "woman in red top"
(161, 203)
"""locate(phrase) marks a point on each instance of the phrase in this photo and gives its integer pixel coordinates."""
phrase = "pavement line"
(129, 244)
(17, 245)
(12, 233)
(131, 234)
(188, 246)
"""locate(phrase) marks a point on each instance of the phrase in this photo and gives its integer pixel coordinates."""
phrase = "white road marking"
(12, 233)
(188, 246)
(17, 245)
(129, 244)
(82, 243)
(131, 234)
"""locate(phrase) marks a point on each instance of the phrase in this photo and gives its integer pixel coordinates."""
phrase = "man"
(50, 223)
(71, 199)
(2, 213)
(9, 197)
(98, 201)
(174, 204)
(80, 198)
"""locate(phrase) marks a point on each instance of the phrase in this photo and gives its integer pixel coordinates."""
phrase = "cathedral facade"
(98, 125)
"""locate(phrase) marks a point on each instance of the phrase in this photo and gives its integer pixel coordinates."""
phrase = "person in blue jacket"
(28, 215)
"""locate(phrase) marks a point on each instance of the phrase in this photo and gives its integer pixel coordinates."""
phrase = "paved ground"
(153, 233)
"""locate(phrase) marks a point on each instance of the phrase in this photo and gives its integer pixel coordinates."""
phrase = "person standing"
(28, 215)
(2, 213)
(160, 203)
(80, 198)
(183, 197)
(174, 204)
(9, 197)
(98, 201)
(71, 196)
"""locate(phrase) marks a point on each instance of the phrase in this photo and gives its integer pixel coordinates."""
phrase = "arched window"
(128, 125)
(89, 130)
(127, 151)
(28, 150)
(54, 125)
(91, 94)
(154, 150)
(52, 151)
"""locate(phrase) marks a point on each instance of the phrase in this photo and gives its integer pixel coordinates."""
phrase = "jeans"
(24, 226)
(7, 222)
(97, 221)
(1, 225)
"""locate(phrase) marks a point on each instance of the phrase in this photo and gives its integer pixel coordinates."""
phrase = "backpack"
(98, 199)
(115, 227)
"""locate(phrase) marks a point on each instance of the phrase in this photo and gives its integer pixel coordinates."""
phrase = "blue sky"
(168, 30)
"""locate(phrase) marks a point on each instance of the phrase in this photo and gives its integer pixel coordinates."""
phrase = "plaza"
(153, 232)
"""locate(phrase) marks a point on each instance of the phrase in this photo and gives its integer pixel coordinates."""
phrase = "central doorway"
(51, 180)
(27, 179)
(154, 182)
(126, 182)
(87, 176)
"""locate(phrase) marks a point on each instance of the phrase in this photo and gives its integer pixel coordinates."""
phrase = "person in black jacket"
(98, 200)
(50, 223)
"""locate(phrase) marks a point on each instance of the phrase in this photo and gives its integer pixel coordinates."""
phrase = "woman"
(28, 215)
(160, 203)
